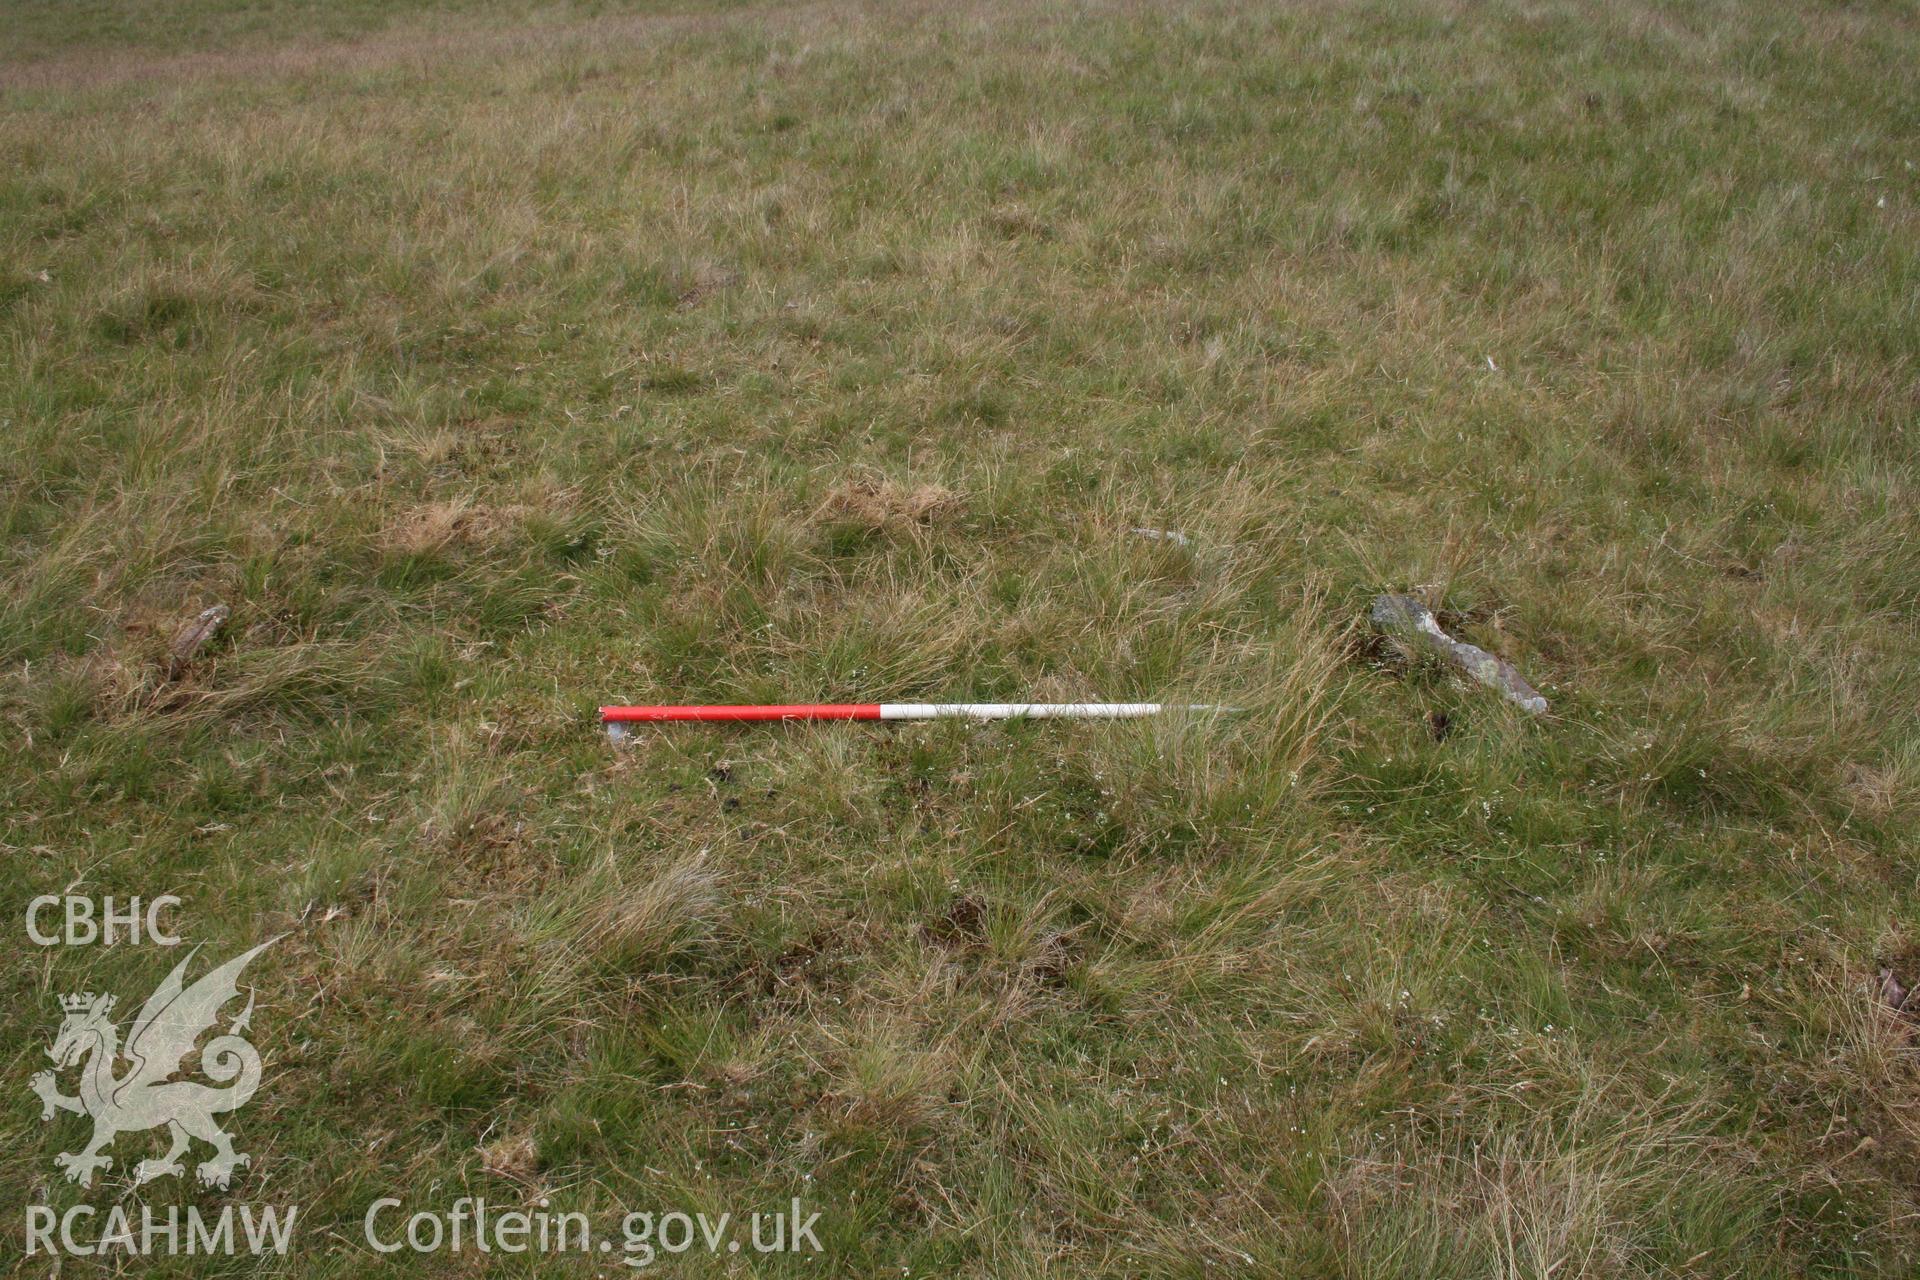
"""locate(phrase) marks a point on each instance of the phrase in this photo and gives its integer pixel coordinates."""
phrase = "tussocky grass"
(493, 361)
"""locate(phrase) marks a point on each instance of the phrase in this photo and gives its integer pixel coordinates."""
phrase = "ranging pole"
(615, 717)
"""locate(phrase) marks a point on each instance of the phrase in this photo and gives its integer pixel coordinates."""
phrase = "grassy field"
(492, 362)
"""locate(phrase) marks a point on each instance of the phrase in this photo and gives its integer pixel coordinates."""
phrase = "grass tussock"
(887, 1084)
(1601, 1192)
(617, 918)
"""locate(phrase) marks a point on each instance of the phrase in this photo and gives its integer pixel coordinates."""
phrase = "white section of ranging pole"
(1025, 710)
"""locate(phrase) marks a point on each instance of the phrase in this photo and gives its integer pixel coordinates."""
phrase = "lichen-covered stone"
(1407, 619)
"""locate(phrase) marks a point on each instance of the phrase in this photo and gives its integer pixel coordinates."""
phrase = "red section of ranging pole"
(798, 711)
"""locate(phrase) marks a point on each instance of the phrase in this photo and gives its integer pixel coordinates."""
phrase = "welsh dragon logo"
(144, 1096)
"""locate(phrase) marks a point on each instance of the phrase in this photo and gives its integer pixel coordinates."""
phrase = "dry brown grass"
(437, 526)
(878, 502)
(511, 1155)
